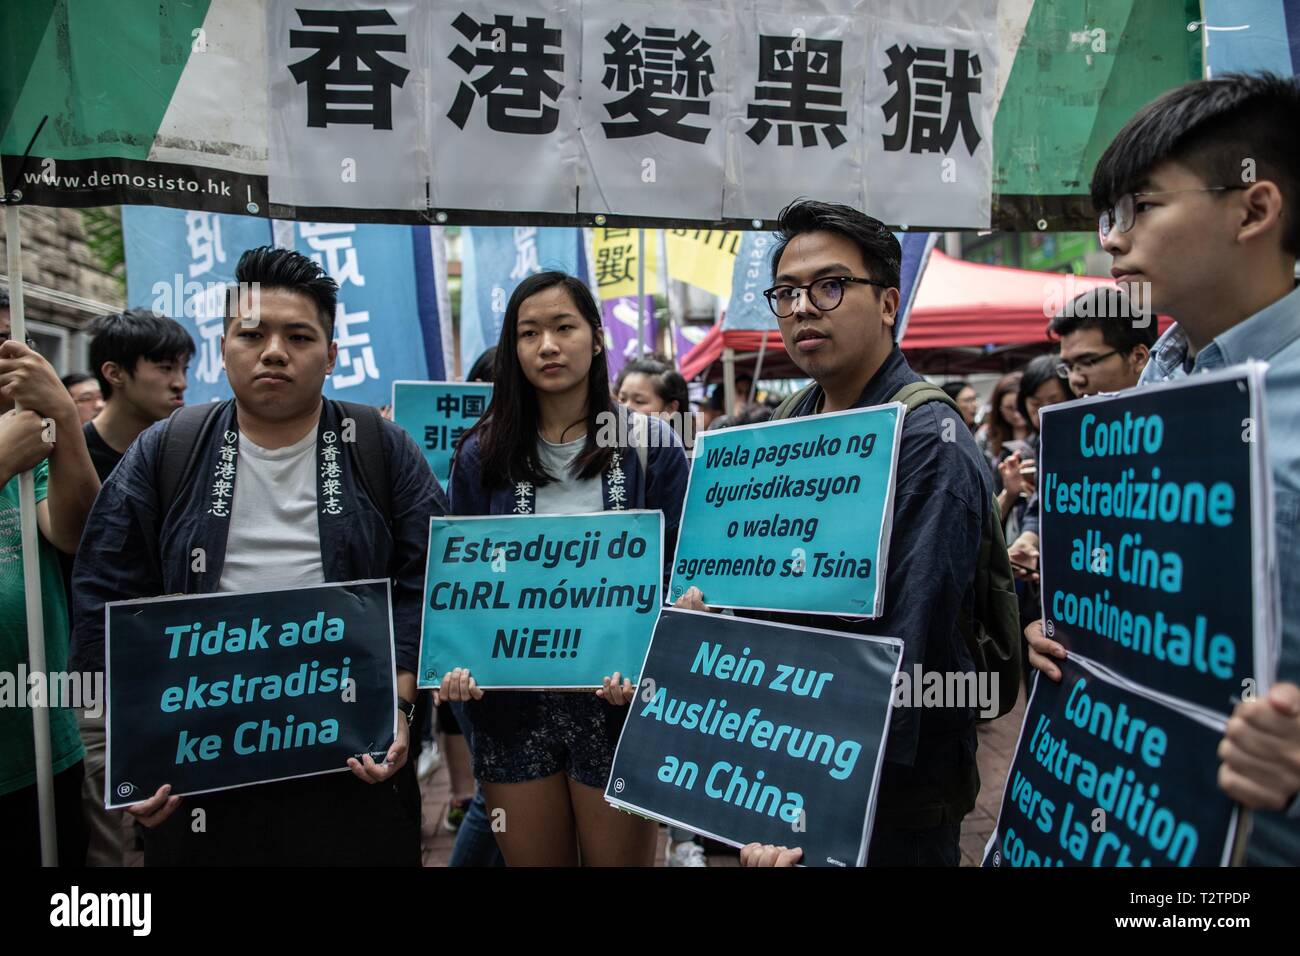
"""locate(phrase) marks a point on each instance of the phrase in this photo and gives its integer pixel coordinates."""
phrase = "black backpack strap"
(371, 466)
(184, 433)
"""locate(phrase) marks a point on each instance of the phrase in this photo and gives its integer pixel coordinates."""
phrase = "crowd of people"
(1213, 251)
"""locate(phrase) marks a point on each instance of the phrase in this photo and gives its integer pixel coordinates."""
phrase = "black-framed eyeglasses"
(825, 294)
(1124, 212)
(1064, 368)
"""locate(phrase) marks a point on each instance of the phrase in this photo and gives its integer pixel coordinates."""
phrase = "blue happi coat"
(135, 546)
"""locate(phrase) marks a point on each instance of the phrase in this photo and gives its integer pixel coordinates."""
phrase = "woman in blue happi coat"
(544, 757)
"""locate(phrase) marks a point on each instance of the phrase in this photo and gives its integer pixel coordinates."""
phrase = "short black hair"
(1123, 326)
(880, 250)
(4, 298)
(507, 432)
(481, 370)
(953, 389)
(73, 379)
(666, 381)
(272, 267)
(1213, 126)
(1041, 369)
(126, 337)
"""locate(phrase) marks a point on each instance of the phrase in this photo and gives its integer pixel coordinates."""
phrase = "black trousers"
(20, 834)
(331, 819)
(926, 846)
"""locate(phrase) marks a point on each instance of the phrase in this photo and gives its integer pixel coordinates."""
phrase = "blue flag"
(388, 325)
(494, 259)
(178, 264)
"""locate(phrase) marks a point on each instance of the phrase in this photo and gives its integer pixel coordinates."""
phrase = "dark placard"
(1153, 540)
(747, 731)
(1103, 776)
(224, 690)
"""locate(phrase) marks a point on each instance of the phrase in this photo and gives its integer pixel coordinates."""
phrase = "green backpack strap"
(787, 407)
(994, 633)
(916, 394)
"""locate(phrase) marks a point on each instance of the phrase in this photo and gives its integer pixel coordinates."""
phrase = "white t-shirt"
(274, 539)
(566, 495)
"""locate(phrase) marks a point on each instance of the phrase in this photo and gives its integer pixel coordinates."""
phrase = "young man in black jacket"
(275, 500)
(836, 275)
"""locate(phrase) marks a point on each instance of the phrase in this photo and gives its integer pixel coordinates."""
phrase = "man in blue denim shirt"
(1200, 201)
(285, 515)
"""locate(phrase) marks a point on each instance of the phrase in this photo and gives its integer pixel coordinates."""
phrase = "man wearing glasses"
(1106, 341)
(836, 275)
(1200, 205)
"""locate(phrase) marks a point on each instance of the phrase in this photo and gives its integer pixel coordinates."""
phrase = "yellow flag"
(615, 252)
(702, 257)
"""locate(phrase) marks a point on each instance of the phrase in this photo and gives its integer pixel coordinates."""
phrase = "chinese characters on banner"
(346, 95)
(934, 157)
(436, 415)
(670, 110)
(206, 307)
(652, 108)
(703, 258)
(503, 105)
(798, 113)
(376, 324)
(178, 264)
(614, 267)
(493, 261)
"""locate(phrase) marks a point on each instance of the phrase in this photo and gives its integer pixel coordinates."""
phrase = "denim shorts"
(527, 735)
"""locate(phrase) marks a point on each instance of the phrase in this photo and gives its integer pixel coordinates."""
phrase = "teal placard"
(792, 515)
(436, 414)
(541, 601)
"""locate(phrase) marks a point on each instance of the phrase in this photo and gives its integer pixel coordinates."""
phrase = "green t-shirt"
(17, 751)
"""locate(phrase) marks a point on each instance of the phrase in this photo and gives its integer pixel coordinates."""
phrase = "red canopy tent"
(967, 317)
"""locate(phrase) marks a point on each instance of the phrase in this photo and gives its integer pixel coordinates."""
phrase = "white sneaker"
(685, 854)
(430, 760)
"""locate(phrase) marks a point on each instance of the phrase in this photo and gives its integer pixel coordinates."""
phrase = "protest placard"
(1104, 775)
(436, 414)
(541, 601)
(226, 690)
(792, 515)
(747, 731)
(1155, 536)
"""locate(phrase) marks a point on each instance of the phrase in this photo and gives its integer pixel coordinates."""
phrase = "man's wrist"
(66, 422)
